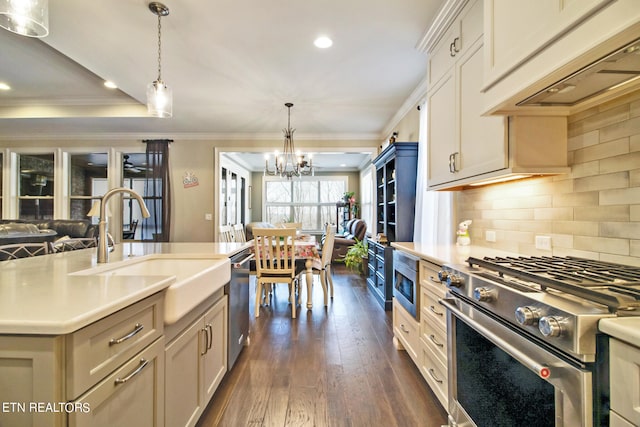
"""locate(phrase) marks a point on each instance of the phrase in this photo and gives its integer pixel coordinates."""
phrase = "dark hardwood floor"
(333, 366)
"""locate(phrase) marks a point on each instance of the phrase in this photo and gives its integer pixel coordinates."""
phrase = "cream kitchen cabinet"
(460, 35)
(30, 371)
(110, 372)
(466, 147)
(462, 143)
(406, 331)
(196, 362)
(554, 39)
(433, 331)
(534, 24)
(625, 383)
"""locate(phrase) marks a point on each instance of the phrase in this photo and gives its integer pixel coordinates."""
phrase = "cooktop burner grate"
(614, 285)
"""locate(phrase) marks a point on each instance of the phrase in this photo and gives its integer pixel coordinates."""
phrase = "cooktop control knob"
(454, 280)
(549, 326)
(483, 294)
(527, 315)
(443, 275)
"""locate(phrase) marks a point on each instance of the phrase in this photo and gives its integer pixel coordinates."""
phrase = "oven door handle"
(540, 369)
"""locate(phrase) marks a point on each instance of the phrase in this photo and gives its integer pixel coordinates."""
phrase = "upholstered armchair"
(355, 229)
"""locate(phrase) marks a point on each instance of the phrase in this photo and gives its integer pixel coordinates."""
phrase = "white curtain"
(434, 221)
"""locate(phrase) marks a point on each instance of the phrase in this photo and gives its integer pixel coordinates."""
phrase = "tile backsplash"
(592, 212)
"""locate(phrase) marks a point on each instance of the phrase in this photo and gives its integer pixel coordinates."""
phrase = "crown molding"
(193, 136)
(445, 17)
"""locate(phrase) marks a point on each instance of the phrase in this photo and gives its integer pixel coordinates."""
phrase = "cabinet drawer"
(96, 350)
(407, 330)
(434, 335)
(435, 372)
(429, 278)
(625, 374)
(131, 396)
(432, 311)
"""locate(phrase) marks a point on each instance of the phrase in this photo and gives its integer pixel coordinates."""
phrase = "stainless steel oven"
(498, 377)
(406, 288)
(523, 341)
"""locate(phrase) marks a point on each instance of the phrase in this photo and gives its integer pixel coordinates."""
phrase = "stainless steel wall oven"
(524, 347)
(406, 287)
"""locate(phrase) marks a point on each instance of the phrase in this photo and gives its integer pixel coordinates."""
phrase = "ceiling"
(231, 64)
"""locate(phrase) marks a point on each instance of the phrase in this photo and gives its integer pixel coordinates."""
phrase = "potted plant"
(356, 256)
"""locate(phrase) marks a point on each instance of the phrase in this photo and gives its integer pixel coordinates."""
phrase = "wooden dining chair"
(327, 252)
(226, 234)
(238, 233)
(275, 263)
(130, 233)
(23, 250)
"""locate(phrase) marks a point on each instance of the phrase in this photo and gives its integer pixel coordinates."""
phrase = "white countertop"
(448, 254)
(623, 328)
(38, 296)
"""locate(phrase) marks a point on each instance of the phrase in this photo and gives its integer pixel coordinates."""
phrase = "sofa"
(355, 229)
(24, 231)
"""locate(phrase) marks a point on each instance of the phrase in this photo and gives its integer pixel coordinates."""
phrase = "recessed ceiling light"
(110, 84)
(4, 86)
(343, 165)
(323, 42)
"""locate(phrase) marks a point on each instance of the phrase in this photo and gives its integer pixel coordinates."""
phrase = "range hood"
(607, 73)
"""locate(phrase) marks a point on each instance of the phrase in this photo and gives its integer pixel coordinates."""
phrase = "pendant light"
(25, 17)
(291, 162)
(159, 95)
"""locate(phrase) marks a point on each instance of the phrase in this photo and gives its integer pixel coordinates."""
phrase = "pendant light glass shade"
(159, 99)
(159, 96)
(25, 17)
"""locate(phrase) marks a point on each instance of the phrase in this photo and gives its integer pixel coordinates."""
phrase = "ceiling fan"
(130, 167)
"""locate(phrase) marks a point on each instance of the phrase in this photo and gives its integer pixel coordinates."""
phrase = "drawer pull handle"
(131, 334)
(436, 312)
(433, 279)
(403, 328)
(210, 336)
(433, 375)
(205, 331)
(433, 340)
(143, 364)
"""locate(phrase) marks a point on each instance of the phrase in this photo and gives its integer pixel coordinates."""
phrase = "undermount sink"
(196, 279)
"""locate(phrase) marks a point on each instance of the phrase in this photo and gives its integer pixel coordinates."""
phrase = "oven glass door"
(498, 377)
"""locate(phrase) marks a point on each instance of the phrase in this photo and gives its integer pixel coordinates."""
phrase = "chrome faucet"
(103, 253)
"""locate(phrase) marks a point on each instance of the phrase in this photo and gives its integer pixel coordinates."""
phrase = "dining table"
(306, 248)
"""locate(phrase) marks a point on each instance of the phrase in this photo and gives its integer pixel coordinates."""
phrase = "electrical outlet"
(208, 217)
(543, 243)
(490, 235)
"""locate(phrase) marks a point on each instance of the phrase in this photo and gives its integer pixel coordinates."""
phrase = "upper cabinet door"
(483, 139)
(515, 30)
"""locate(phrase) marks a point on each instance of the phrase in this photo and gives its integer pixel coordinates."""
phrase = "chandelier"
(289, 163)
(25, 17)
(159, 95)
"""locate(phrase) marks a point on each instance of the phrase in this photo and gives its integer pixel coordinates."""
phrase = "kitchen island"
(83, 343)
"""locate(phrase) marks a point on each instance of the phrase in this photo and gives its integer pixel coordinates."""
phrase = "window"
(35, 200)
(311, 201)
(87, 182)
